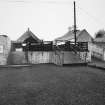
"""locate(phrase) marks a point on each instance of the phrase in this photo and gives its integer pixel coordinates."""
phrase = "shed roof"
(26, 35)
(3, 36)
(70, 35)
(99, 39)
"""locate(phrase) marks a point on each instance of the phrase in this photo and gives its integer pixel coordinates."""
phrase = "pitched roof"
(26, 35)
(70, 35)
(3, 36)
(99, 39)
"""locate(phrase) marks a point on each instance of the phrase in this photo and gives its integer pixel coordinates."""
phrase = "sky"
(49, 19)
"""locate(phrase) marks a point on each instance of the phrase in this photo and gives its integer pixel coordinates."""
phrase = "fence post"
(62, 58)
(103, 55)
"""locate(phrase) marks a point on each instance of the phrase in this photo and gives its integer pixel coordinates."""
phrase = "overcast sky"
(49, 19)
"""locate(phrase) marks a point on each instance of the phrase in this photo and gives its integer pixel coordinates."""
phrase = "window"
(1, 48)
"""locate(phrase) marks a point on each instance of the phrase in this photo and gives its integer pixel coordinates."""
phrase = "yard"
(52, 85)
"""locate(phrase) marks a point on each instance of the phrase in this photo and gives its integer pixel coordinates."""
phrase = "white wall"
(37, 57)
(97, 51)
(5, 44)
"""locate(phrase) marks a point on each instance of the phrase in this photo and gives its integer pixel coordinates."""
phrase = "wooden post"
(74, 23)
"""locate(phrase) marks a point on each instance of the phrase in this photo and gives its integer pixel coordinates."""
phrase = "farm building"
(5, 46)
(100, 42)
(83, 37)
(30, 49)
(98, 48)
(27, 38)
(18, 54)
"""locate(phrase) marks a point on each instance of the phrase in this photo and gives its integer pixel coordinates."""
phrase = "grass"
(52, 85)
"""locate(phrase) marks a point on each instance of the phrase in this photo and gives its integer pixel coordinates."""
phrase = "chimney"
(69, 28)
(28, 29)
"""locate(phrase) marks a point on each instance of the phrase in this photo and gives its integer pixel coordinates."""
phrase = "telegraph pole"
(74, 22)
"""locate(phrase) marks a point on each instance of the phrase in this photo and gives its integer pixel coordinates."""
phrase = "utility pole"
(74, 22)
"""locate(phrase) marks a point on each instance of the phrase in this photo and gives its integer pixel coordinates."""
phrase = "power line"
(49, 2)
(96, 20)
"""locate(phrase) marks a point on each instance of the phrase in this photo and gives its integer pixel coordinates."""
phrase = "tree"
(100, 34)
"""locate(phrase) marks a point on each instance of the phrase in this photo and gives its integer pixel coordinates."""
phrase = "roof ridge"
(27, 34)
(70, 35)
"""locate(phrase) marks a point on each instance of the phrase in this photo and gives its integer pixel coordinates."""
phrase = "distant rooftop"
(99, 39)
(26, 35)
(4, 35)
(70, 35)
